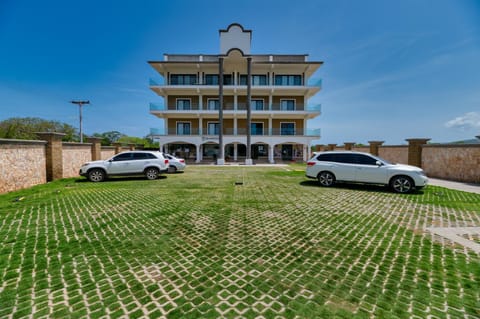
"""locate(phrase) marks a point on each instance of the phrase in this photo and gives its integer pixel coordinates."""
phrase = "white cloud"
(470, 120)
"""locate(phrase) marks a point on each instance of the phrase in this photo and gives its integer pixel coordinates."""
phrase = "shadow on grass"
(357, 187)
(120, 179)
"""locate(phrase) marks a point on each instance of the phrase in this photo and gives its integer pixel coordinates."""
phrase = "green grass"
(198, 245)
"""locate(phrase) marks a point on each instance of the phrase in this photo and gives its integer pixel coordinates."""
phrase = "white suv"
(148, 163)
(356, 167)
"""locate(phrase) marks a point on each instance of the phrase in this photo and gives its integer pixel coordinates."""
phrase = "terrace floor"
(237, 242)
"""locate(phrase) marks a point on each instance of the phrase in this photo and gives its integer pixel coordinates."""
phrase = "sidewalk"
(466, 187)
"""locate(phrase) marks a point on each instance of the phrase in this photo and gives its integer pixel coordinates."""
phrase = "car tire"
(96, 175)
(402, 184)
(172, 169)
(326, 179)
(151, 173)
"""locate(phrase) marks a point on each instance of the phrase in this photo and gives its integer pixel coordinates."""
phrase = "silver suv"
(148, 163)
(357, 167)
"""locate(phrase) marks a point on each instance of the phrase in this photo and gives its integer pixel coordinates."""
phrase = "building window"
(287, 128)
(257, 105)
(213, 128)
(257, 79)
(183, 128)
(227, 79)
(287, 105)
(288, 80)
(211, 79)
(213, 104)
(256, 128)
(183, 79)
(184, 104)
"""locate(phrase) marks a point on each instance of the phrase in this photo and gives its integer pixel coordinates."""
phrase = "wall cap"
(21, 142)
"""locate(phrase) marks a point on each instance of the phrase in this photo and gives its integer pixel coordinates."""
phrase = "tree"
(26, 128)
(108, 138)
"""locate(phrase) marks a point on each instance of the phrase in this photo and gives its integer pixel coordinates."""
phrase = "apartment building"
(236, 106)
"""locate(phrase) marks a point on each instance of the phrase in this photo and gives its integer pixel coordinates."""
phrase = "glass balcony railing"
(239, 131)
(157, 107)
(162, 82)
(239, 107)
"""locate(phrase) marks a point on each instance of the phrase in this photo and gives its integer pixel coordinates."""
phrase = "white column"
(270, 128)
(200, 102)
(200, 126)
(235, 102)
(270, 102)
(270, 153)
(305, 152)
(199, 153)
(235, 126)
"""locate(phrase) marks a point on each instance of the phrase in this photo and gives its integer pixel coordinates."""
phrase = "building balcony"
(275, 107)
(198, 88)
(237, 132)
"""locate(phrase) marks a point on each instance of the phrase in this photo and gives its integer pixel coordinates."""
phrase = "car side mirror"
(378, 163)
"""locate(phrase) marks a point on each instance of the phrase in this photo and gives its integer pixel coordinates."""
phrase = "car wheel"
(326, 179)
(96, 175)
(151, 173)
(402, 184)
(172, 169)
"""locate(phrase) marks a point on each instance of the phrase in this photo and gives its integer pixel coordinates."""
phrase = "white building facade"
(258, 113)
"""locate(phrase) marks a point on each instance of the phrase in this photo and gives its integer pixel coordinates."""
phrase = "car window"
(139, 156)
(365, 160)
(344, 158)
(325, 158)
(150, 156)
(123, 157)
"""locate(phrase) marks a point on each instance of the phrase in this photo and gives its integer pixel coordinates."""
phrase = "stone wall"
(394, 153)
(107, 152)
(22, 164)
(452, 162)
(74, 156)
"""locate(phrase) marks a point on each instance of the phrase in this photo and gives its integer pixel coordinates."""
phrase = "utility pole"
(80, 104)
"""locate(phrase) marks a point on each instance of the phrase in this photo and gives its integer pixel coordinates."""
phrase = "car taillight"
(166, 161)
(310, 163)
(182, 161)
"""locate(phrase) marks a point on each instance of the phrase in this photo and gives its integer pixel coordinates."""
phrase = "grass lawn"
(234, 242)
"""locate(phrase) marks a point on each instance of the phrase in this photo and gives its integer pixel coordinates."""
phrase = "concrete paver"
(466, 187)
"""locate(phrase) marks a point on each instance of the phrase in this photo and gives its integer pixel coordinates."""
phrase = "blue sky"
(392, 69)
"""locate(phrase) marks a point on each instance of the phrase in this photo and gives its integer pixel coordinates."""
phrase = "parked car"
(175, 164)
(356, 167)
(148, 163)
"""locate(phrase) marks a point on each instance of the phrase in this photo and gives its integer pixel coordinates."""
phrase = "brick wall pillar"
(131, 146)
(374, 145)
(349, 145)
(331, 147)
(96, 148)
(53, 154)
(118, 147)
(415, 150)
(318, 147)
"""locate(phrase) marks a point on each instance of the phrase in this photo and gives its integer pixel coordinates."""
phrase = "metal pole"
(221, 155)
(81, 131)
(249, 112)
(80, 104)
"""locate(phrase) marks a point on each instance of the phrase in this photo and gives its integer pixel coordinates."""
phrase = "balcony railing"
(240, 107)
(162, 82)
(237, 131)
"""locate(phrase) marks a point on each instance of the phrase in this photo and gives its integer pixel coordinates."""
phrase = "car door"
(367, 170)
(120, 164)
(139, 162)
(344, 167)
